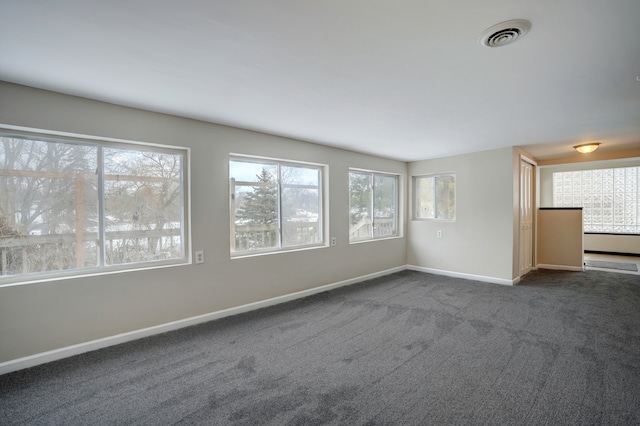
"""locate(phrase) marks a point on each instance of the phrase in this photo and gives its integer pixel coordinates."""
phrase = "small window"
(70, 206)
(275, 205)
(435, 197)
(373, 205)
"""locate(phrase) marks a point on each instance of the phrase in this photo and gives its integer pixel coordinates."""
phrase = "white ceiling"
(402, 79)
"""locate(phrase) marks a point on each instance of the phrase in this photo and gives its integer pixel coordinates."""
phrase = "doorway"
(526, 215)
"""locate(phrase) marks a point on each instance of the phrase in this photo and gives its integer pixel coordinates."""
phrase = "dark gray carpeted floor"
(410, 348)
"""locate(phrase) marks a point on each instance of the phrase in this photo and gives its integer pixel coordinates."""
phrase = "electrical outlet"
(439, 233)
(200, 256)
(334, 241)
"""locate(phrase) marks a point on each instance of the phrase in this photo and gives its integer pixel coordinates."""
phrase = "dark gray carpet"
(623, 266)
(412, 348)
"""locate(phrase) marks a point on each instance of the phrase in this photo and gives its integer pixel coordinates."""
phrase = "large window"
(275, 205)
(77, 205)
(434, 197)
(373, 205)
(609, 198)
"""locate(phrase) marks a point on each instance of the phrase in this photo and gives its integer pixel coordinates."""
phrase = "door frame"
(533, 203)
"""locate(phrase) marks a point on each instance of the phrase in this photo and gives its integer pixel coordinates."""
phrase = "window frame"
(415, 200)
(397, 205)
(323, 170)
(101, 143)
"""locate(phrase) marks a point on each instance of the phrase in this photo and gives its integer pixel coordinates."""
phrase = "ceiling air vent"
(505, 33)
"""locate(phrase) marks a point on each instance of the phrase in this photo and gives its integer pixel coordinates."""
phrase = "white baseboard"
(483, 278)
(560, 267)
(56, 354)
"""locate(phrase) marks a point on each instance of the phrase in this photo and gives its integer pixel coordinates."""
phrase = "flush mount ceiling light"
(586, 148)
(505, 33)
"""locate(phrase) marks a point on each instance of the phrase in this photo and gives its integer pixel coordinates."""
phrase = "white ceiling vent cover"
(505, 33)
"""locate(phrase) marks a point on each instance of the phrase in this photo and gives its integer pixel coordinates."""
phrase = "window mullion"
(396, 208)
(101, 209)
(321, 210)
(435, 197)
(373, 212)
(279, 202)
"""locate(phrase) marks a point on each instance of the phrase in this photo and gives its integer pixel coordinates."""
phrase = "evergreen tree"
(260, 206)
(359, 197)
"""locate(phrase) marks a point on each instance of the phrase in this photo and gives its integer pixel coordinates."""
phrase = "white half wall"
(627, 244)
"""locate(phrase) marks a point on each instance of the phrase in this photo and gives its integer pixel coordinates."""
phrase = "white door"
(526, 217)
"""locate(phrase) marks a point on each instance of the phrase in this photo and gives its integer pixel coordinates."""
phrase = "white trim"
(269, 251)
(560, 267)
(414, 199)
(33, 131)
(56, 354)
(46, 277)
(483, 278)
(323, 190)
(260, 159)
(369, 240)
(528, 160)
(85, 139)
(68, 351)
(399, 201)
(376, 172)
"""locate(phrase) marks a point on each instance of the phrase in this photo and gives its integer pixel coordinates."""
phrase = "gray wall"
(481, 240)
(43, 316)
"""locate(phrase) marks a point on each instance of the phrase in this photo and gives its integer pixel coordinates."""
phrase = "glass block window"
(609, 198)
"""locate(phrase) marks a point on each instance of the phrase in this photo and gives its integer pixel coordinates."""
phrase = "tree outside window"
(69, 205)
(435, 197)
(274, 205)
(373, 205)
